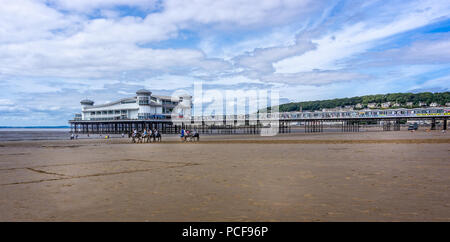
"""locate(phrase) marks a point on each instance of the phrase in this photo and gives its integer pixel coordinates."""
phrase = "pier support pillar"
(397, 125)
(387, 126)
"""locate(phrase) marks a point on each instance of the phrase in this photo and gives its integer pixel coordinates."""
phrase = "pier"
(311, 122)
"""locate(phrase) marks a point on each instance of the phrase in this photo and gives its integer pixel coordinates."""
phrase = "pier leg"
(397, 125)
(433, 124)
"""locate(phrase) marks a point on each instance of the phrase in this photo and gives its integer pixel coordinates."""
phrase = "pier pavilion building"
(143, 106)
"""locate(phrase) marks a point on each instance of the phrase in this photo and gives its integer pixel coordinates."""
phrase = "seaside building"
(143, 106)
(372, 105)
(386, 105)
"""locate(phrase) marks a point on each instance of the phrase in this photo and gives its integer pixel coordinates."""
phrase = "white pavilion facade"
(143, 106)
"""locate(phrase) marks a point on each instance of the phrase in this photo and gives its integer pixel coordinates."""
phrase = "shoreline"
(435, 136)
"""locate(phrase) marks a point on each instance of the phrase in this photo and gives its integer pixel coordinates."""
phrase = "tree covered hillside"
(401, 98)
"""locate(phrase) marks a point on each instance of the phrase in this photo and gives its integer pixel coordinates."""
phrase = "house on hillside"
(422, 104)
(409, 104)
(386, 105)
(372, 105)
(359, 105)
(434, 104)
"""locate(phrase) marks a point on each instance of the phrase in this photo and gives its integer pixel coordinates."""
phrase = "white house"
(142, 106)
(372, 105)
(386, 104)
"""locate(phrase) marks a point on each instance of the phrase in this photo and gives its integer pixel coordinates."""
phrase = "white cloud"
(90, 5)
(419, 52)
(240, 12)
(441, 83)
(261, 59)
(359, 37)
(25, 20)
(167, 82)
(316, 78)
(6, 102)
(233, 80)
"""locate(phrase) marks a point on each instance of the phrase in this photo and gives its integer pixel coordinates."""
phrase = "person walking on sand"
(182, 134)
(72, 136)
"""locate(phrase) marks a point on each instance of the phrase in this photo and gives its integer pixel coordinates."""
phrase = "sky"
(54, 53)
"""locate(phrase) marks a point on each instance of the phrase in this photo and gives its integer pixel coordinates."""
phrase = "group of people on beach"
(73, 136)
(153, 135)
(189, 135)
(145, 136)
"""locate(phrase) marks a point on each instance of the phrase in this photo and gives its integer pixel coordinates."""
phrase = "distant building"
(396, 105)
(337, 109)
(434, 104)
(447, 104)
(359, 105)
(372, 105)
(142, 106)
(409, 104)
(386, 104)
(422, 104)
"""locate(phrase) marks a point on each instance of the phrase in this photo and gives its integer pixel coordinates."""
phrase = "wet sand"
(367, 176)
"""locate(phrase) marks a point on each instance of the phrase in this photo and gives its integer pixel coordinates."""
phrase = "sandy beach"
(366, 176)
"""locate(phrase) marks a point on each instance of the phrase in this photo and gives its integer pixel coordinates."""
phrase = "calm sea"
(16, 134)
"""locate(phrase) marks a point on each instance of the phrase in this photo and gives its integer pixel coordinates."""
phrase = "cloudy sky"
(53, 53)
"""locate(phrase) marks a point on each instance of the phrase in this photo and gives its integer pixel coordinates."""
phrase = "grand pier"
(170, 114)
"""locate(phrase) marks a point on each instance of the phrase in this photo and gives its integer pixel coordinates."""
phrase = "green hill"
(440, 98)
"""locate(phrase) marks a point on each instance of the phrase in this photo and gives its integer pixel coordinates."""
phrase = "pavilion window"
(143, 100)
